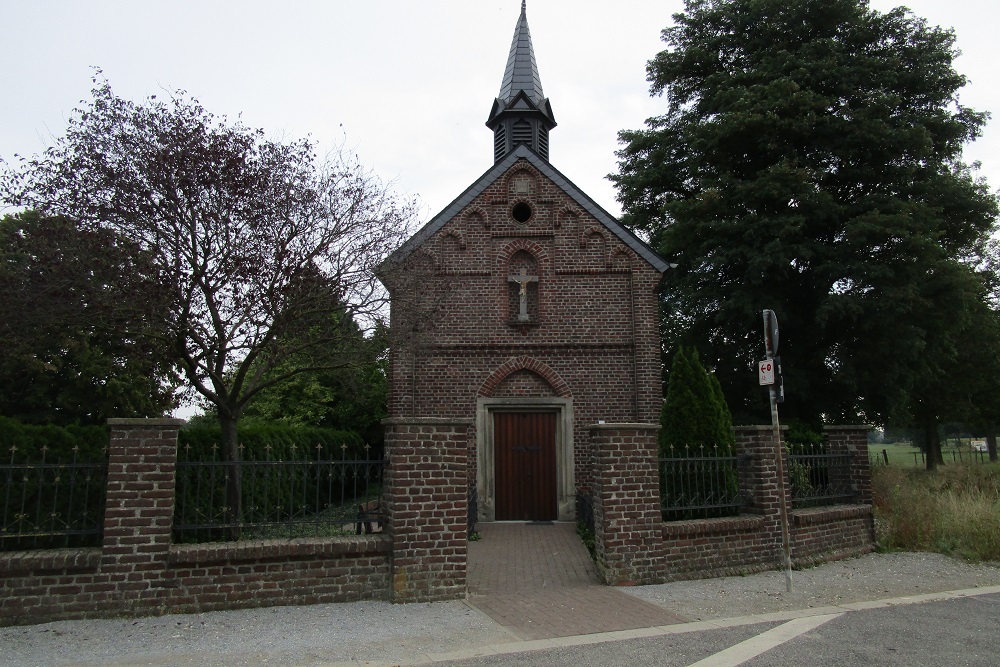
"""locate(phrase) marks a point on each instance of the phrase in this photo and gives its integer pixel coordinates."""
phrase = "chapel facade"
(527, 311)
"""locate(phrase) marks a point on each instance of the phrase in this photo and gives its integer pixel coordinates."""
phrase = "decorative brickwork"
(590, 335)
(627, 520)
(427, 507)
(557, 384)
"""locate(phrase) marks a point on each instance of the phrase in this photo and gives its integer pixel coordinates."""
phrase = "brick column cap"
(848, 427)
(425, 421)
(624, 426)
(145, 422)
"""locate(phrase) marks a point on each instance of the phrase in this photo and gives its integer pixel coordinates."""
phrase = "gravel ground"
(324, 634)
(870, 577)
(274, 636)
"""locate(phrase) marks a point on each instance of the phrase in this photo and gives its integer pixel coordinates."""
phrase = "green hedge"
(54, 480)
(55, 444)
(272, 443)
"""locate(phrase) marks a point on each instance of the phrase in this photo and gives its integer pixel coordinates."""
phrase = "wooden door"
(524, 445)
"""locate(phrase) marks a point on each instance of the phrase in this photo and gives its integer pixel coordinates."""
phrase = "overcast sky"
(406, 85)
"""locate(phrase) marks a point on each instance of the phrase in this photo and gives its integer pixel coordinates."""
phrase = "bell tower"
(521, 114)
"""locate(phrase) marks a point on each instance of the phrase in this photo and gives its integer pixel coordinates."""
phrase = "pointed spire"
(522, 70)
(521, 114)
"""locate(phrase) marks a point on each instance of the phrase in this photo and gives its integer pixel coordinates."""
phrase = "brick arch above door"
(523, 383)
(524, 363)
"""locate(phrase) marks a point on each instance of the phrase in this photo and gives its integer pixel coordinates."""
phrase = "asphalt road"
(961, 632)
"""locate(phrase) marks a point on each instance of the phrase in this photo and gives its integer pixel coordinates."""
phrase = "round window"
(521, 211)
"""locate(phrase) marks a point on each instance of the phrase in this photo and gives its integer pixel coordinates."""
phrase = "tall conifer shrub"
(694, 412)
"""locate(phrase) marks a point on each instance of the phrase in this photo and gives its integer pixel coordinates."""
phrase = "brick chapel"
(527, 312)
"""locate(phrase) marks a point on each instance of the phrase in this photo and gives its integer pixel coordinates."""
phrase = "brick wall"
(703, 548)
(853, 441)
(627, 521)
(822, 534)
(426, 499)
(138, 571)
(717, 547)
(752, 542)
(826, 533)
(422, 556)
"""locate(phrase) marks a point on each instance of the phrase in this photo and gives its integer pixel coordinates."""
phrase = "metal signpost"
(769, 374)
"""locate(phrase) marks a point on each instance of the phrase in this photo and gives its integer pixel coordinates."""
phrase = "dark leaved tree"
(80, 325)
(267, 251)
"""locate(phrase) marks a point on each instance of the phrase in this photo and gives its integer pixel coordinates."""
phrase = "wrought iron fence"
(473, 509)
(699, 483)
(818, 477)
(318, 496)
(52, 504)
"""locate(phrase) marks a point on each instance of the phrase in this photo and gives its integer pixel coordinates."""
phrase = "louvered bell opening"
(543, 142)
(522, 133)
(499, 142)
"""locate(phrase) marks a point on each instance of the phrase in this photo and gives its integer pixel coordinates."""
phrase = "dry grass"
(954, 511)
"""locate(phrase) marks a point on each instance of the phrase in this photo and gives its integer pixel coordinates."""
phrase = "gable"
(605, 220)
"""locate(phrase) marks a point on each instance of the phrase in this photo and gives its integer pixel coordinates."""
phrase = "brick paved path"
(539, 582)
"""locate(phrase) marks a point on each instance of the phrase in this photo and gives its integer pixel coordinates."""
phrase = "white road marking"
(751, 648)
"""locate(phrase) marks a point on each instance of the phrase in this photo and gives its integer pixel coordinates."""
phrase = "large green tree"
(809, 160)
(80, 325)
(971, 391)
(267, 251)
(350, 398)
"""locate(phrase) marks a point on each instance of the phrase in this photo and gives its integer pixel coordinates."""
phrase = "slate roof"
(496, 171)
(521, 72)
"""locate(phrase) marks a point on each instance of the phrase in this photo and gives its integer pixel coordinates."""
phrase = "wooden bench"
(369, 513)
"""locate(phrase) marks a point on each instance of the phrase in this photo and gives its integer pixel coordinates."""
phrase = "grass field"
(906, 455)
(900, 454)
(955, 510)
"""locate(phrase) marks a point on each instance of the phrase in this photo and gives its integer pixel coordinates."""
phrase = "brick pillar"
(139, 509)
(426, 495)
(628, 523)
(760, 484)
(853, 441)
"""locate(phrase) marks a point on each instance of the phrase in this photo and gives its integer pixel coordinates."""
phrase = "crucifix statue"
(523, 279)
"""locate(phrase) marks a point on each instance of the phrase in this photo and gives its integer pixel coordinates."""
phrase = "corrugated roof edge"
(494, 172)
